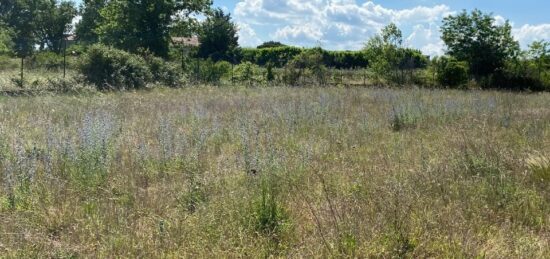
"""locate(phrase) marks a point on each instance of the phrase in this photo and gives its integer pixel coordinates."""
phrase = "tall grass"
(320, 172)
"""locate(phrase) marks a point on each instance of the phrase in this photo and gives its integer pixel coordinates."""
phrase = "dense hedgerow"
(280, 56)
(110, 68)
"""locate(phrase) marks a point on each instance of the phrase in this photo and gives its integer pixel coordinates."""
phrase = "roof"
(70, 37)
(186, 41)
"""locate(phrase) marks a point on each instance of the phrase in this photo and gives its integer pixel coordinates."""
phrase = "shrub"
(163, 71)
(110, 69)
(245, 72)
(213, 72)
(7, 62)
(308, 63)
(269, 75)
(46, 60)
(269, 216)
(451, 72)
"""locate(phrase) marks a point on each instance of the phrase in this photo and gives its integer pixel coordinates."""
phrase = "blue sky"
(347, 24)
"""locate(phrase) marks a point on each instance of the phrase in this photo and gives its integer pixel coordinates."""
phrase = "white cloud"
(247, 36)
(346, 24)
(336, 24)
(427, 38)
(526, 34)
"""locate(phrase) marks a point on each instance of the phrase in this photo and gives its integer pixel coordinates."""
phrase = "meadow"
(276, 172)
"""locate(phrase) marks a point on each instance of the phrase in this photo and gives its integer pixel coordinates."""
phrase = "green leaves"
(144, 25)
(477, 39)
(218, 37)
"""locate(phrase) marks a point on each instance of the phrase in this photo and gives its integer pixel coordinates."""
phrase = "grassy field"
(283, 172)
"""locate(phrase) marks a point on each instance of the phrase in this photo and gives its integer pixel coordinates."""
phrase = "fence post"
(64, 56)
(22, 82)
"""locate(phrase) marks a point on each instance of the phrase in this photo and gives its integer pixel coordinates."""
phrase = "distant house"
(186, 41)
(70, 39)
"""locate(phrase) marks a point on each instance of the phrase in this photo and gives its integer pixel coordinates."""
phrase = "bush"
(113, 69)
(163, 71)
(213, 72)
(46, 60)
(245, 72)
(451, 72)
(7, 62)
(308, 64)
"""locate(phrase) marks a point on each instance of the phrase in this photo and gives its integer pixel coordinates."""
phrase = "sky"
(348, 24)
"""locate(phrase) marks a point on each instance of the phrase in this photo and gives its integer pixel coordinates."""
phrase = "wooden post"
(64, 56)
(22, 83)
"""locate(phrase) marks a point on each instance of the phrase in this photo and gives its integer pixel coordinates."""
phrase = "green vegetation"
(283, 172)
(130, 143)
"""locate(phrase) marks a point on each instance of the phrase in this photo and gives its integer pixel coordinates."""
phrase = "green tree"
(54, 21)
(477, 39)
(218, 36)
(384, 52)
(137, 25)
(270, 44)
(19, 16)
(539, 53)
(91, 18)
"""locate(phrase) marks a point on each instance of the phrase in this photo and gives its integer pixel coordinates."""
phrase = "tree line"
(478, 50)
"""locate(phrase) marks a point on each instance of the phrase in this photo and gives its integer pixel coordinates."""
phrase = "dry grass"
(232, 172)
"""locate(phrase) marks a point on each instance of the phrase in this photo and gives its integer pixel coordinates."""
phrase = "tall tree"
(384, 51)
(54, 21)
(477, 39)
(91, 18)
(218, 36)
(539, 52)
(19, 16)
(136, 25)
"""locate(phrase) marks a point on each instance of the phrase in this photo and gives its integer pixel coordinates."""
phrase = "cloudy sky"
(347, 24)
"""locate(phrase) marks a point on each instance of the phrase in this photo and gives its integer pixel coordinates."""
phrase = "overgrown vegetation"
(276, 172)
(481, 54)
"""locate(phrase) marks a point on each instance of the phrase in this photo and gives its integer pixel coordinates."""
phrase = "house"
(186, 41)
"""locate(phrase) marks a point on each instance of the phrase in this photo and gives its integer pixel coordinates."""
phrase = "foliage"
(326, 177)
(6, 44)
(245, 72)
(218, 37)
(213, 72)
(280, 56)
(19, 15)
(7, 62)
(91, 18)
(110, 69)
(270, 44)
(478, 40)
(269, 75)
(539, 53)
(53, 22)
(307, 64)
(345, 59)
(164, 72)
(134, 25)
(268, 215)
(451, 72)
(45, 59)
